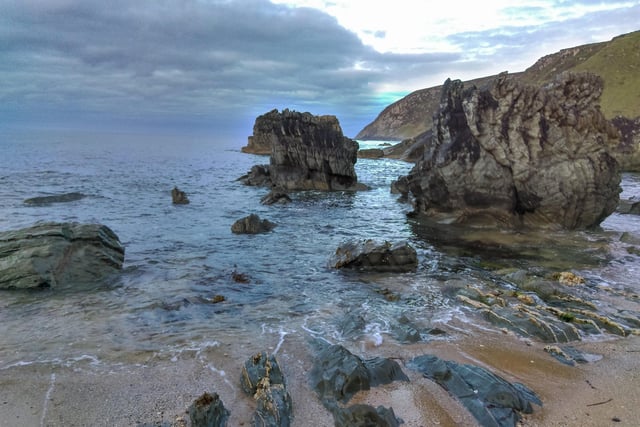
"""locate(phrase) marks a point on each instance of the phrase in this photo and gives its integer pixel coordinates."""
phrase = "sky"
(213, 66)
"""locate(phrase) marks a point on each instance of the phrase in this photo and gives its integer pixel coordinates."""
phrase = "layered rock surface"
(307, 152)
(58, 254)
(518, 155)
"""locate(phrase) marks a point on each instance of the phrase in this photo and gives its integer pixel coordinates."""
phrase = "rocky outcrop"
(58, 255)
(492, 400)
(56, 198)
(276, 197)
(252, 224)
(627, 152)
(307, 152)
(514, 155)
(208, 411)
(369, 255)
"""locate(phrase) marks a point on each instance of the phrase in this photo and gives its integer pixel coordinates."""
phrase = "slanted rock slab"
(58, 255)
(370, 255)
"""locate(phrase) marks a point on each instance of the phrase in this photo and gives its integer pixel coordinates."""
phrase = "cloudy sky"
(212, 66)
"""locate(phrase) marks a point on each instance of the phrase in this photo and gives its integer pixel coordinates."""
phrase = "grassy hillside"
(616, 61)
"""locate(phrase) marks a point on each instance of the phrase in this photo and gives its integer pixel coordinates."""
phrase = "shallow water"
(179, 257)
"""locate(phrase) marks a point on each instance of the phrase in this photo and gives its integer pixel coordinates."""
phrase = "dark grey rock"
(369, 255)
(257, 368)
(208, 411)
(338, 374)
(179, 197)
(365, 416)
(514, 155)
(56, 198)
(276, 197)
(58, 255)
(252, 224)
(492, 400)
(307, 152)
(258, 176)
(262, 378)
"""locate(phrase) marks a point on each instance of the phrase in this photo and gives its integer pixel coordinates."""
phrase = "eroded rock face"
(518, 155)
(58, 254)
(307, 152)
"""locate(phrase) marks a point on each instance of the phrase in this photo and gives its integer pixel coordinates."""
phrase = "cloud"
(217, 64)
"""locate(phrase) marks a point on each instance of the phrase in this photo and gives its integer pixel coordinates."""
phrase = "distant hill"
(617, 61)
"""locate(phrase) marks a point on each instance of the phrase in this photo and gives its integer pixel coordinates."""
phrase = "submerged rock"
(252, 224)
(492, 400)
(58, 254)
(208, 411)
(56, 198)
(514, 155)
(276, 197)
(307, 152)
(179, 197)
(369, 255)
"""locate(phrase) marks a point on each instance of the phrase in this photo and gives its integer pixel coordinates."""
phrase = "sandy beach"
(158, 392)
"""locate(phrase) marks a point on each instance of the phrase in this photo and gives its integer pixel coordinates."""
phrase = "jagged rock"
(262, 378)
(252, 224)
(492, 400)
(56, 198)
(369, 255)
(179, 197)
(338, 374)
(258, 176)
(276, 197)
(631, 207)
(208, 411)
(307, 152)
(58, 255)
(515, 155)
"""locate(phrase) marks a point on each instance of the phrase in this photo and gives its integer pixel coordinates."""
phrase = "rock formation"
(179, 197)
(514, 155)
(628, 151)
(252, 224)
(369, 255)
(58, 255)
(307, 152)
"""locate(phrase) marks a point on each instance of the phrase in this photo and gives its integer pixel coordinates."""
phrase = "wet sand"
(157, 392)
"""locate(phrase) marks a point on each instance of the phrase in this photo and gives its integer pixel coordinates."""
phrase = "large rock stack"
(518, 155)
(307, 152)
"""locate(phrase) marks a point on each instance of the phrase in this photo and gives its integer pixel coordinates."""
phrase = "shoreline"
(604, 392)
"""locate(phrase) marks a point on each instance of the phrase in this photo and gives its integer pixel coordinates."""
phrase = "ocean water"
(180, 257)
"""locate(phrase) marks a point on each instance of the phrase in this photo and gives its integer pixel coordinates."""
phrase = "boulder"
(628, 151)
(208, 411)
(308, 152)
(58, 255)
(514, 155)
(55, 198)
(179, 197)
(252, 224)
(369, 255)
(361, 415)
(492, 400)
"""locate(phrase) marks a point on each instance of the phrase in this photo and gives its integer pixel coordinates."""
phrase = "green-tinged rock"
(58, 255)
(365, 416)
(492, 400)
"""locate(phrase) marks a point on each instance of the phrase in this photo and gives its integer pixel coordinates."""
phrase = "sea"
(274, 287)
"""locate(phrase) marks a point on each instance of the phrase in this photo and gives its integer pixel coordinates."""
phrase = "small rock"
(252, 224)
(208, 411)
(179, 197)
